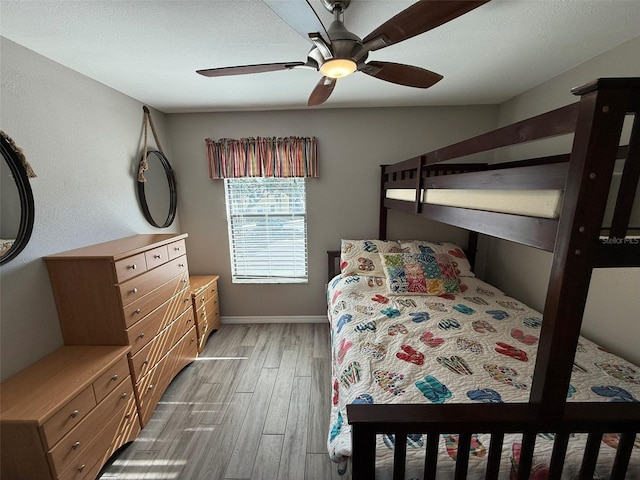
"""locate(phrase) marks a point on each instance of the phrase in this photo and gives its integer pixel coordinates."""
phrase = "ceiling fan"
(337, 52)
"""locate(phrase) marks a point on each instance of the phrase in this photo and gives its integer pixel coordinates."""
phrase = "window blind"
(267, 229)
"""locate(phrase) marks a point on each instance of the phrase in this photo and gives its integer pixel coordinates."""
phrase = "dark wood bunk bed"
(578, 244)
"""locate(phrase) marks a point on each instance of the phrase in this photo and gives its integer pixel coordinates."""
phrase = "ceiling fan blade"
(300, 16)
(418, 18)
(322, 91)
(401, 74)
(246, 69)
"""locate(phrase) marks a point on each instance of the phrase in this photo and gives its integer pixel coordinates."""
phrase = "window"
(267, 222)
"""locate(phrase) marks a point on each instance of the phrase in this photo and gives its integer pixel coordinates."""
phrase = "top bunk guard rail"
(544, 173)
(574, 238)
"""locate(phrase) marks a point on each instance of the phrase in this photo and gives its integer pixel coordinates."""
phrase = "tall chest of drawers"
(132, 291)
(63, 417)
(206, 306)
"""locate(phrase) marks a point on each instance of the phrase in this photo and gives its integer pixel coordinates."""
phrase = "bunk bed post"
(420, 162)
(382, 222)
(602, 109)
(472, 248)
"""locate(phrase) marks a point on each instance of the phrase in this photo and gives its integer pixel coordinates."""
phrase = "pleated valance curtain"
(262, 157)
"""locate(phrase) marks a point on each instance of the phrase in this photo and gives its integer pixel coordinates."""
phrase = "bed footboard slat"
(399, 456)
(462, 460)
(557, 455)
(526, 455)
(590, 457)
(431, 457)
(621, 462)
(495, 455)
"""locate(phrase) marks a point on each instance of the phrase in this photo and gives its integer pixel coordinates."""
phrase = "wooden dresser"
(63, 416)
(206, 306)
(132, 291)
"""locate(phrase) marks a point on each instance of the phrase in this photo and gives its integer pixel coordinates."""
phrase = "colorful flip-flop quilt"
(475, 346)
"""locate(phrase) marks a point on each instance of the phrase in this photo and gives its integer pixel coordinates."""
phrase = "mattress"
(476, 346)
(531, 203)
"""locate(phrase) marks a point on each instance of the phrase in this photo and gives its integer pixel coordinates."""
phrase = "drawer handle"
(190, 320)
(202, 299)
(81, 467)
(157, 256)
(146, 362)
(114, 378)
(127, 416)
(75, 445)
(150, 387)
(137, 311)
(124, 395)
(75, 413)
(181, 265)
(132, 267)
(184, 281)
(177, 249)
(134, 290)
(141, 335)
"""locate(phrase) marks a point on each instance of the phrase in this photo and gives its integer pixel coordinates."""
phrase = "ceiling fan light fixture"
(338, 67)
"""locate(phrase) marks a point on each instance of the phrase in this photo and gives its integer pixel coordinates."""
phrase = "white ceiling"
(150, 49)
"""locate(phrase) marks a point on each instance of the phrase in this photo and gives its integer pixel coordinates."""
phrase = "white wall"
(342, 203)
(613, 305)
(83, 140)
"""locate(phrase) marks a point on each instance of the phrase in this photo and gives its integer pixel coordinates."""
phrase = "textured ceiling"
(150, 49)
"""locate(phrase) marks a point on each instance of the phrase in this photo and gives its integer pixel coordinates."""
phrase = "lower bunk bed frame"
(575, 239)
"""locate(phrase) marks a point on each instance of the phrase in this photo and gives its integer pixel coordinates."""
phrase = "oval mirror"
(158, 197)
(16, 205)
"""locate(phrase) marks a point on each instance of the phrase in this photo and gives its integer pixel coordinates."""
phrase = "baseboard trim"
(274, 319)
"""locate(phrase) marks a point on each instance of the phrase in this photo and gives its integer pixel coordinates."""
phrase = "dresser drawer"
(153, 385)
(73, 445)
(203, 330)
(146, 329)
(68, 416)
(81, 471)
(128, 429)
(111, 379)
(88, 463)
(146, 389)
(156, 257)
(140, 286)
(201, 315)
(206, 293)
(150, 354)
(176, 249)
(140, 308)
(130, 267)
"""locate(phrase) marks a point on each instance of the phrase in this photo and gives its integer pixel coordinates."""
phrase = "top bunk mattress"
(531, 203)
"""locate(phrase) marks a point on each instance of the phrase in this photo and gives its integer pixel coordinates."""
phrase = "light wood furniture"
(206, 306)
(64, 416)
(131, 291)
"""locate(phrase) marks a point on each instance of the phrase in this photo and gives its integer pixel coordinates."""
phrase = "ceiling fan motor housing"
(331, 5)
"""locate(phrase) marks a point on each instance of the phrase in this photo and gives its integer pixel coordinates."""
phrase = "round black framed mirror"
(17, 203)
(157, 195)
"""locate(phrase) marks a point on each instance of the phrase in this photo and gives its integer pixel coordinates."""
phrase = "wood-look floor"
(254, 405)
